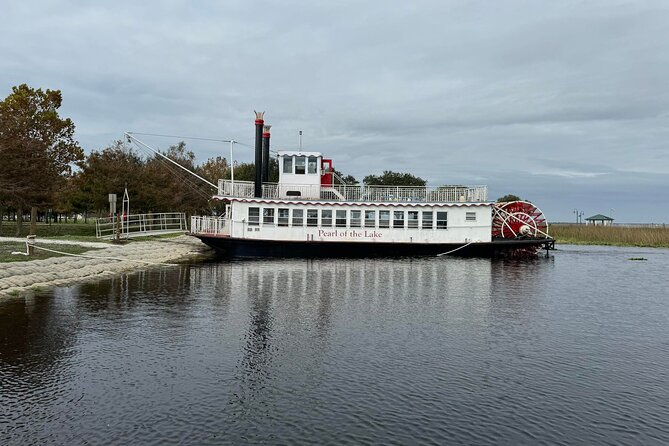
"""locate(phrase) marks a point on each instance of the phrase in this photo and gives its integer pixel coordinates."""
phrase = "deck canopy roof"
(599, 217)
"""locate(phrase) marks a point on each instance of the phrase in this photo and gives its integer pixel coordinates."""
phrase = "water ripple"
(422, 351)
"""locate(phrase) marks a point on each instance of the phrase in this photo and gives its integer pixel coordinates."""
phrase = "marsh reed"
(611, 235)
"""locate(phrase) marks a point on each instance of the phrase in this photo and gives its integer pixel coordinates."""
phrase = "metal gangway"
(140, 225)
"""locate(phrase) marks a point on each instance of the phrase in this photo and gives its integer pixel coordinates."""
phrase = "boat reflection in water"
(416, 350)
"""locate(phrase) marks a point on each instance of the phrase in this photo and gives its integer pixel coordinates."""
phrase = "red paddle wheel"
(518, 219)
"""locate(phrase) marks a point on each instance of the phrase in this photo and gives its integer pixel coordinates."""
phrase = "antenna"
(300, 140)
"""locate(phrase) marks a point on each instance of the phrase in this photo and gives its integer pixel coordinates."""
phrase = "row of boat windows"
(302, 164)
(343, 218)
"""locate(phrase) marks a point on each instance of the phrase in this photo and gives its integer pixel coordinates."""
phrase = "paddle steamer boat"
(310, 213)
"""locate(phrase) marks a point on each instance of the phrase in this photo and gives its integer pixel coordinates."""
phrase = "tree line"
(45, 172)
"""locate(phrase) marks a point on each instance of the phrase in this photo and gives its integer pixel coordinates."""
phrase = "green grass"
(78, 229)
(76, 238)
(83, 232)
(611, 235)
(6, 249)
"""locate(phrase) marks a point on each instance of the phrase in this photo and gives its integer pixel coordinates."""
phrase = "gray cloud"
(564, 102)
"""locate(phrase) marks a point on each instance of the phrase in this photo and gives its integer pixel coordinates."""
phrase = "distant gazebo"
(599, 220)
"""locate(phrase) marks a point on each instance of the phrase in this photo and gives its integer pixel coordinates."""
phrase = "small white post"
(125, 215)
(30, 244)
(232, 168)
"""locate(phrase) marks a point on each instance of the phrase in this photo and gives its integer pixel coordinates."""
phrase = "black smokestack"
(259, 126)
(265, 153)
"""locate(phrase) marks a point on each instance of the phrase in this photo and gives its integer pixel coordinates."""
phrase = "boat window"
(370, 219)
(355, 219)
(412, 219)
(287, 164)
(326, 218)
(300, 165)
(312, 217)
(427, 220)
(311, 165)
(442, 220)
(268, 216)
(384, 219)
(298, 217)
(398, 219)
(340, 221)
(283, 217)
(470, 216)
(254, 216)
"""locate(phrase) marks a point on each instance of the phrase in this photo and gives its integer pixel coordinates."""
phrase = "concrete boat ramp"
(109, 259)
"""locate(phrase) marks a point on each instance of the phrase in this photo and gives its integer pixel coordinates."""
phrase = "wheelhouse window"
(398, 219)
(412, 219)
(340, 220)
(298, 217)
(283, 217)
(268, 216)
(355, 219)
(370, 219)
(384, 219)
(428, 221)
(287, 164)
(254, 216)
(442, 220)
(300, 162)
(470, 216)
(312, 164)
(326, 218)
(312, 217)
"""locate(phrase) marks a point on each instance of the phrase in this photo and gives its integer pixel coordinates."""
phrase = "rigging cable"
(188, 182)
(456, 249)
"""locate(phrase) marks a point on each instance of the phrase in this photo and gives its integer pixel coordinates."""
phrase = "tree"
(175, 189)
(37, 147)
(347, 179)
(247, 171)
(508, 197)
(213, 169)
(108, 171)
(243, 172)
(389, 178)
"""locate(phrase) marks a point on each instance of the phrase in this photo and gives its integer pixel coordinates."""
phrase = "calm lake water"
(568, 350)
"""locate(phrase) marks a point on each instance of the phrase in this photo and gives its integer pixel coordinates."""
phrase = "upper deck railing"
(441, 194)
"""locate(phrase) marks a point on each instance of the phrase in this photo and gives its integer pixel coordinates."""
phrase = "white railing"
(208, 225)
(236, 188)
(136, 225)
(441, 194)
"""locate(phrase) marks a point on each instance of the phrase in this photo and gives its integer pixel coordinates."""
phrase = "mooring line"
(446, 253)
(102, 258)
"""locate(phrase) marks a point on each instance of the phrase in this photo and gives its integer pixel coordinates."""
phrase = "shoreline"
(20, 277)
(632, 237)
(568, 241)
(107, 260)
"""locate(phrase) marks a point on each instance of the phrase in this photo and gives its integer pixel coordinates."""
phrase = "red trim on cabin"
(354, 203)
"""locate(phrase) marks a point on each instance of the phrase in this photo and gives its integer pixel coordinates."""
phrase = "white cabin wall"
(309, 184)
(459, 230)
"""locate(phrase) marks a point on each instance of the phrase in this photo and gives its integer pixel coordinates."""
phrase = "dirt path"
(22, 276)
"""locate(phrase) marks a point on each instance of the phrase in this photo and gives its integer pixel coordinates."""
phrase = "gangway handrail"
(137, 225)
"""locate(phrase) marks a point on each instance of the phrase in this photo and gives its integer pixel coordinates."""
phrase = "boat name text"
(349, 233)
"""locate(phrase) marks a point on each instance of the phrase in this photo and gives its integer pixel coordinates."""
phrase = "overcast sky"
(565, 103)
